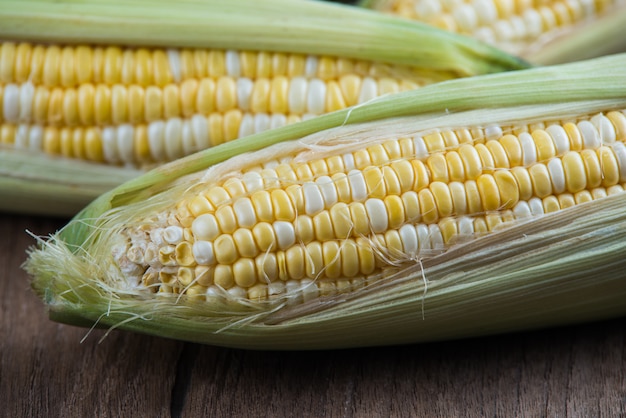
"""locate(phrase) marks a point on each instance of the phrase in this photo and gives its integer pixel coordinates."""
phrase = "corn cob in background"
(468, 207)
(184, 76)
(543, 31)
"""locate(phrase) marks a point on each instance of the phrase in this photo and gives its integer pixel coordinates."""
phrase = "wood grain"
(45, 370)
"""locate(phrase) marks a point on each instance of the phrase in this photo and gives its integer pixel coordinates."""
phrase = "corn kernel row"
(70, 66)
(349, 217)
(101, 104)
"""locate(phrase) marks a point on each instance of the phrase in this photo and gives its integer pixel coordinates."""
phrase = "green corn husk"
(593, 36)
(603, 36)
(275, 25)
(555, 269)
(38, 184)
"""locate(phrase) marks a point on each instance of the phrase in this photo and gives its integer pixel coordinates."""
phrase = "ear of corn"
(546, 32)
(139, 107)
(188, 75)
(460, 209)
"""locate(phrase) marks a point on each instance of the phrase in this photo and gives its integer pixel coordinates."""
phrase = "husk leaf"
(602, 36)
(33, 183)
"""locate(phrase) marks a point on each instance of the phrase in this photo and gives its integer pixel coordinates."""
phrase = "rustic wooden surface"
(45, 370)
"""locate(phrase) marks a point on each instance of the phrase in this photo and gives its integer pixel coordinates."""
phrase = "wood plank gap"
(184, 369)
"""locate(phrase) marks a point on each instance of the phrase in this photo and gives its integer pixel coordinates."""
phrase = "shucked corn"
(479, 200)
(140, 106)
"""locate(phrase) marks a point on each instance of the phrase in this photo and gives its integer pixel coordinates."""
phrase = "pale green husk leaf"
(602, 36)
(33, 183)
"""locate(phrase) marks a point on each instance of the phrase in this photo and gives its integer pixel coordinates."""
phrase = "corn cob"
(330, 224)
(383, 224)
(140, 106)
(72, 86)
(543, 32)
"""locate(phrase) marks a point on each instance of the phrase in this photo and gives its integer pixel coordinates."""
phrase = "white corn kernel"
(156, 134)
(557, 175)
(296, 94)
(173, 234)
(591, 138)
(125, 143)
(173, 138)
(358, 187)
(316, 97)
(173, 57)
(11, 103)
(529, 151)
(559, 137)
(285, 234)
(377, 215)
(200, 131)
(233, 64)
(27, 92)
(205, 227)
(109, 144)
(313, 199)
(203, 253)
(244, 212)
(328, 189)
(244, 91)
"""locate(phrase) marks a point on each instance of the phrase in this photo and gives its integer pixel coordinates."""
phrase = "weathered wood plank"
(46, 371)
(574, 371)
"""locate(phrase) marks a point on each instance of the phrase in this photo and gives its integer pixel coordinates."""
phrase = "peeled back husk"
(554, 269)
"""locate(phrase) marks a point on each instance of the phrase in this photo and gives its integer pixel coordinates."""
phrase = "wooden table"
(45, 370)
